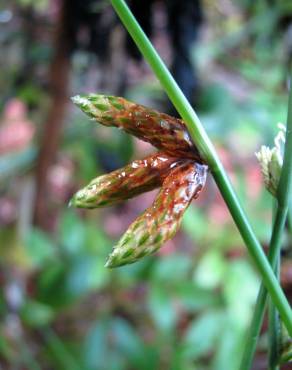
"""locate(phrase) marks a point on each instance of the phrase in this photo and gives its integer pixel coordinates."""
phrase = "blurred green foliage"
(165, 312)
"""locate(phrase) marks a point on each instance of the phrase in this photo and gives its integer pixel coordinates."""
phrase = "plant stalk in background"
(277, 174)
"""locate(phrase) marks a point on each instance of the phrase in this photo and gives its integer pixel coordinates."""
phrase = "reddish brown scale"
(161, 220)
(159, 129)
(136, 178)
(173, 138)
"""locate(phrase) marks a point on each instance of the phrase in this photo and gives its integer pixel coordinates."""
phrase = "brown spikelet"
(159, 129)
(136, 178)
(162, 219)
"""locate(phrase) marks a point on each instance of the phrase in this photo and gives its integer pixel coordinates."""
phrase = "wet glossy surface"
(162, 219)
(177, 168)
(136, 178)
(159, 129)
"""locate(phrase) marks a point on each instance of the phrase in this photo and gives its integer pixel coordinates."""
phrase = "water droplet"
(135, 165)
(162, 159)
(164, 124)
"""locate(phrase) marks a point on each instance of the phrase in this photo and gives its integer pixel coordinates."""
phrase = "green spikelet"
(161, 221)
(161, 130)
(125, 183)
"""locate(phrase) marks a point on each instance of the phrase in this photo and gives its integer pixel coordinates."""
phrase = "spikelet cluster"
(176, 168)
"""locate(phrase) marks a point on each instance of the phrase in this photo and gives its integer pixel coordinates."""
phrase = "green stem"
(208, 152)
(274, 320)
(258, 316)
(274, 328)
(274, 250)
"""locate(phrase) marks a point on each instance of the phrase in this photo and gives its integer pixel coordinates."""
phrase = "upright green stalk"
(283, 192)
(208, 152)
(283, 197)
(258, 316)
(274, 328)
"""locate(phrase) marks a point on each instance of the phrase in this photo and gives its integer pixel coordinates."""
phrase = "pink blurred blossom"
(16, 131)
(8, 211)
(254, 181)
(60, 178)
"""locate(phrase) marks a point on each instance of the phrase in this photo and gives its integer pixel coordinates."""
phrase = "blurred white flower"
(271, 160)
